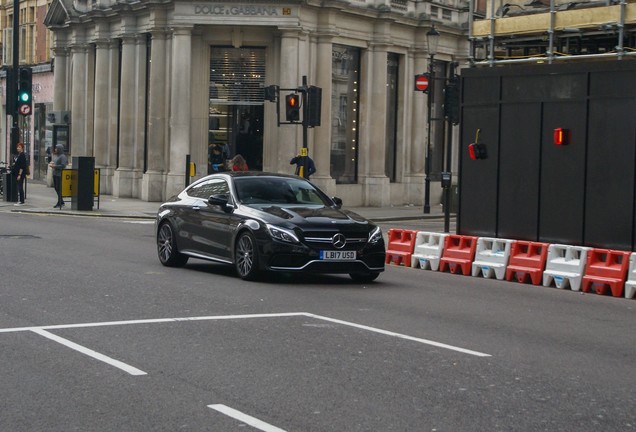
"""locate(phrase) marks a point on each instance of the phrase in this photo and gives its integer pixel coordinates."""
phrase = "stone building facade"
(148, 82)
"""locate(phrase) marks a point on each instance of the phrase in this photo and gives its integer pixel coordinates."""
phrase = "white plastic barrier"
(630, 285)
(565, 266)
(491, 257)
(428, 250)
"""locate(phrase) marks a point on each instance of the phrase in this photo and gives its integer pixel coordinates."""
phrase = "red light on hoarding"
(561, 136)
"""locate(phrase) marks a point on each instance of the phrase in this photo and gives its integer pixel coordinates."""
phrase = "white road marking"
(89, 352)
(401, 336)
(249, 420)
(252, 316)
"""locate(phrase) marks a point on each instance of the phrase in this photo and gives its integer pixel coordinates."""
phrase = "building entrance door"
(237, 77)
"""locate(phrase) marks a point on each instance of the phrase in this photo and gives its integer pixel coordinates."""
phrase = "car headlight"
(375, 236)
(282, 234)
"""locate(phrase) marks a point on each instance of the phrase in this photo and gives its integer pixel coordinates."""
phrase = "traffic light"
(292, 107)
(451, 100)
(25, 89)
(314, 102)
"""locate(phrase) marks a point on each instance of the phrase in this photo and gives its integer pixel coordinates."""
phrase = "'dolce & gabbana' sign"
(241, 10)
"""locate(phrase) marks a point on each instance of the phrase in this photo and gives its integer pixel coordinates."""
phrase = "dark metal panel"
(481, 90)
(609, 206)
(563, 174)
(543, 87)
(615, 84)
(478, 179)
(519, 164)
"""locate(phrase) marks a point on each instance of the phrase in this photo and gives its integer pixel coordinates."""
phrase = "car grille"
(322, 240)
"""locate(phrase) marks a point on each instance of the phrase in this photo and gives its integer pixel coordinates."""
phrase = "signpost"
(421, 82)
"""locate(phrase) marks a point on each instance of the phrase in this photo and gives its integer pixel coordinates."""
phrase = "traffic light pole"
(15, 129)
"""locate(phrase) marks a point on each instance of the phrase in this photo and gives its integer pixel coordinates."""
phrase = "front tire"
(167, 250)
(246, 256)
(364, 277)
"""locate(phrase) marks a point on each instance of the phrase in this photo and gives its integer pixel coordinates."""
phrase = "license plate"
(337, 255)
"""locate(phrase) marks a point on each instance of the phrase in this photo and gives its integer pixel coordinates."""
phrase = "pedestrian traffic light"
(314, 103)
(451, 100)
(292, 107)
(25, 91)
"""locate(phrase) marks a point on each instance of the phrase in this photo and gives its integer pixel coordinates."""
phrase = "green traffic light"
(24, 97)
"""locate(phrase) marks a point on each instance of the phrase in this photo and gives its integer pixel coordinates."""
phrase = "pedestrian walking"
(300, 163)
(58, 164)
(18, 170)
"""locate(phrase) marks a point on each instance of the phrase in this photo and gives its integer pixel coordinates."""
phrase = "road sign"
(421, 82)
(25, 109)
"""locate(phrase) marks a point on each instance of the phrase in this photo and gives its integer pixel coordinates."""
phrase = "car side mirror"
(337, 201)
(220, 200)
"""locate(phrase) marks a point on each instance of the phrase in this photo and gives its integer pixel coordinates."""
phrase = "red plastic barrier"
(527, 260)
(459, 254)
(400, 247)
(606, 268)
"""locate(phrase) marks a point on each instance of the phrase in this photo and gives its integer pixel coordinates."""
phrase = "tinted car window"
(205, 189)
(278, 191)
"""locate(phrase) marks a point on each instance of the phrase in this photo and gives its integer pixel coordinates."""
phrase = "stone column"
(100, 131)
(419, 127)
(112, 120)
(139, 125)
(60, 90)
(322, 134)
(372, 147)
(78, 100)
(290, 137)
(152, 182)
(180, 94)
(122, 181)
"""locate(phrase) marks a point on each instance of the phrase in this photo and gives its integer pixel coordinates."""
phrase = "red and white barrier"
(606, 269)
(565, 266)
(400, 247)
(491, 257)
(459, 253)
(428, 250)
(630, 285)
(527, 260)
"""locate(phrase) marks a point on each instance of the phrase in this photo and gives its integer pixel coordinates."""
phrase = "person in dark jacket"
(19, 172)
(58, 164)
(299, 161)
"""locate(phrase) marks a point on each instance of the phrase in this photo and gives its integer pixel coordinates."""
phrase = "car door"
(209, 223)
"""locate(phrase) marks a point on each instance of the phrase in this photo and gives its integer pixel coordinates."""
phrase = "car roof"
(238, 174)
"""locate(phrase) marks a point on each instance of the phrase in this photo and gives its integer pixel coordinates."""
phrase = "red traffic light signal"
(292, 107)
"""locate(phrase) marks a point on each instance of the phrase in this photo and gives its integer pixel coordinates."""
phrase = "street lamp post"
(432, 40)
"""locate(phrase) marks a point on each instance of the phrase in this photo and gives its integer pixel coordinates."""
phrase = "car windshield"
(263, 191)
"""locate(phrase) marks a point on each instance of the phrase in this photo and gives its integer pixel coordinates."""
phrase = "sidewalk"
(40, 199)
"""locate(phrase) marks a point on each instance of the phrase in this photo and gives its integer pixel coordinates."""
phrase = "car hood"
(311, 216)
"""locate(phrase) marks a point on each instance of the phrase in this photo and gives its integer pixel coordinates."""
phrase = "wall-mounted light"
(561, 136)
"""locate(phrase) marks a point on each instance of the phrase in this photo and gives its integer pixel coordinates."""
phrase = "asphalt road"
(95, 335)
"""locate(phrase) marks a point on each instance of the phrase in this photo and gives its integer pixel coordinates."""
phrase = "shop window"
(344, 137)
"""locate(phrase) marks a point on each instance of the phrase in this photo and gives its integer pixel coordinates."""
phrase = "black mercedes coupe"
(261, 222)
